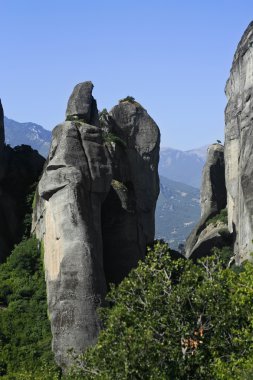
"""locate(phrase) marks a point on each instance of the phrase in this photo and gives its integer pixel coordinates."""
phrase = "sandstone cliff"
(239, 146)
(94, 211)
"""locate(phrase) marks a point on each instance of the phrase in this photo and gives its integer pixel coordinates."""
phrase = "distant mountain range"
(27, 133)
(183, 166)
(180, 176)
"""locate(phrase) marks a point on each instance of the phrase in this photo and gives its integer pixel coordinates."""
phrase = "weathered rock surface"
(128, 212)
(20, 168)
(213, 199)
(95, 212)
(82, 105)
(239, 146)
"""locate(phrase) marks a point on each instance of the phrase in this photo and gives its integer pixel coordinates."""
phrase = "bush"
(221, 217)
(130, 99)
(175, 320)
(112, 138)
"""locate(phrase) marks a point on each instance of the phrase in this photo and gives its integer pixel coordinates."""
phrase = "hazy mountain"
(185, 167)
(177, 211)
(27, 133)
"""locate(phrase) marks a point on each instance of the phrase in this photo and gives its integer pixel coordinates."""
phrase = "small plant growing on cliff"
(222, 217)
(103, 112)
(112, 138)
(130, 99)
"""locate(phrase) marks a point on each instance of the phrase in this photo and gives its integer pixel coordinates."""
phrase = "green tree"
(25, 336)
(175, 320)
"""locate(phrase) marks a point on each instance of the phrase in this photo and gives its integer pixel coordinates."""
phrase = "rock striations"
(239, 146)
(94, 211)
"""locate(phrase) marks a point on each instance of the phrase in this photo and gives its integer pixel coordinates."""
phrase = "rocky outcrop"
(94, 211)
(82, 105)
(2, 138)
(213, 199)
(128, 212)
(19, 171)
(239, 147)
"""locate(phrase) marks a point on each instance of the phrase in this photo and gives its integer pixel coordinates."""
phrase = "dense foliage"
(25, 337)
(175, 320)
(169, 319)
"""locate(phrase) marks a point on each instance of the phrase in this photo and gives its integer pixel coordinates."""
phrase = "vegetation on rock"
(222, 217)
(112, 138)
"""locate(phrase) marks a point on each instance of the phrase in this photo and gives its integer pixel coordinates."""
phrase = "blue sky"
(174, 57)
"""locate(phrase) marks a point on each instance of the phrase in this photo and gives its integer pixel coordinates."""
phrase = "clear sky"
(174, 57)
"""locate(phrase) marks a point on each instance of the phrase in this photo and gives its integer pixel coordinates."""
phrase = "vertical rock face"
(212, 199)
(95, 186)
(2, 138)
(128, 212)
(213, 196)
(20, 168)
(239, 147)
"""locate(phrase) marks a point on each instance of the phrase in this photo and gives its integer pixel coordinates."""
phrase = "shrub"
(130, 99)
(221, 217)
(175, 320)
(112, 138)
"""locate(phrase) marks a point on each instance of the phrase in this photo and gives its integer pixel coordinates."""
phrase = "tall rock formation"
(94, 212)
(20, 168)
(1, 126)
(213, 196)
(129, 210)
(239, 146)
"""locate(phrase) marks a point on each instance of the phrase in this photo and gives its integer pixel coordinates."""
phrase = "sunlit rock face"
(94, 212)
(239, 146)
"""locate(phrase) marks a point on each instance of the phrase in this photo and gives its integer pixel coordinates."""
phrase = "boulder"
(239, 147)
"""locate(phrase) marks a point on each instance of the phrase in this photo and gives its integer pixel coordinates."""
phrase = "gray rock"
(210, 237)
(74, 184)
(213, 196)
(2, 138)
(94, 213)
(20, 168)
(128, 212)
(82, 105)
(213, 199)
(239, 147)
